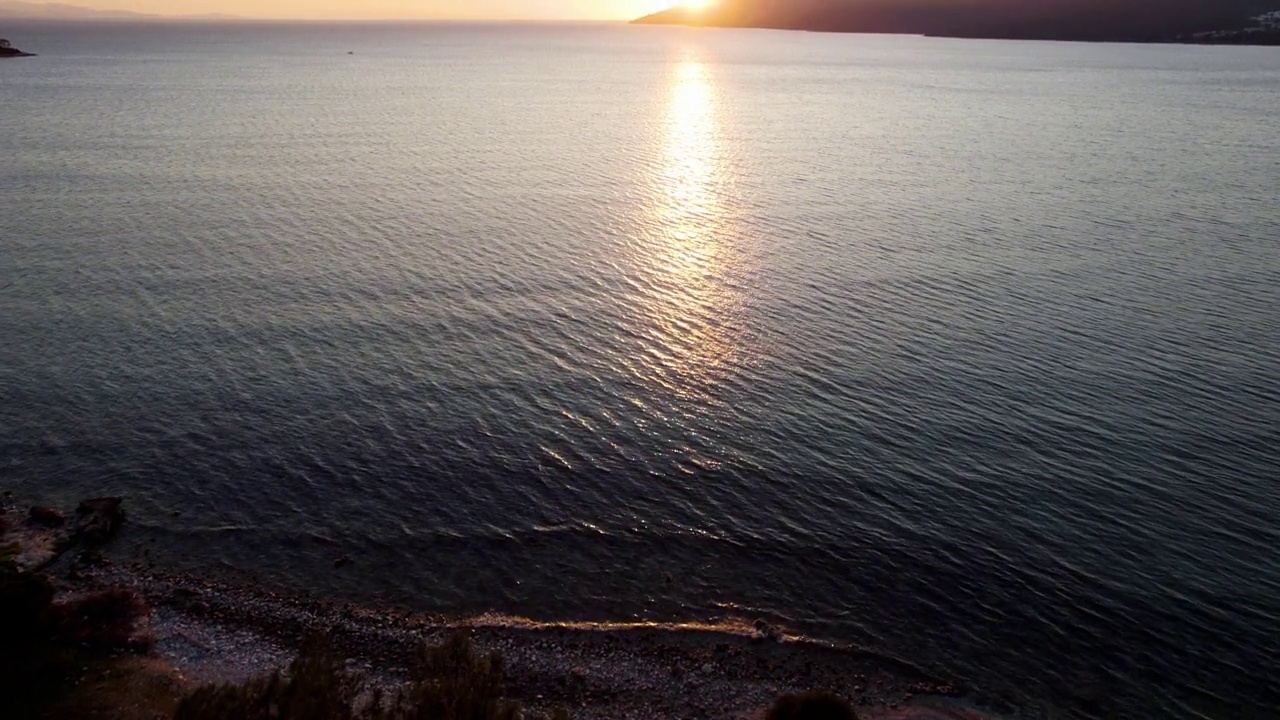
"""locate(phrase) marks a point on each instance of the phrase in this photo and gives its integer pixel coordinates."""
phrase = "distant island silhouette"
(1226, 21)
(7, 50)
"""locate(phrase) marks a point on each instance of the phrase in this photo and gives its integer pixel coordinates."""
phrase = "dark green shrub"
(450, 681)
(812, 705)
(317, 687)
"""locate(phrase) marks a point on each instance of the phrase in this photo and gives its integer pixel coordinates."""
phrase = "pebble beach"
(213, 632)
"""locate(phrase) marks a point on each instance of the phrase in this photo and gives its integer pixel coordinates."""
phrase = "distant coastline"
(1252, 22)
(16, 10)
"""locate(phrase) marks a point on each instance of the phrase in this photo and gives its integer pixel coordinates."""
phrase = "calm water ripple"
(968, 352)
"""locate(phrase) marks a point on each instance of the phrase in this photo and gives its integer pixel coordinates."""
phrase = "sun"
(696, 5)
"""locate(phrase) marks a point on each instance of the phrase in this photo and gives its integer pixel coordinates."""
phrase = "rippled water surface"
(966, 352)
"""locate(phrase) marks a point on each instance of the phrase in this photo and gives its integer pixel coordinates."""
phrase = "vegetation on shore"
(81, 658)
(55, 649)
(450, 681)
(53, 646)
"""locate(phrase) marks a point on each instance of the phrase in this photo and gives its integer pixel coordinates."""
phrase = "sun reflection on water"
(687, 241)
(690, 171)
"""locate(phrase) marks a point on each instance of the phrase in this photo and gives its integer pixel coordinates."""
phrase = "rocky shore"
(595, 671)
(199, 630)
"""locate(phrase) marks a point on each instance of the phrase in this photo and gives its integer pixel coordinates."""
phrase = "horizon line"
(241, 19)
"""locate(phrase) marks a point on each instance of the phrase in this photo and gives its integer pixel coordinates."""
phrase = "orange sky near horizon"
(393, 9)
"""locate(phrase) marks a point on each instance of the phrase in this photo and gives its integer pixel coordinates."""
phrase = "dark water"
(967, 352)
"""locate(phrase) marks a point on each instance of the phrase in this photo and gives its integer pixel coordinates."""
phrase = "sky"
(387, 9)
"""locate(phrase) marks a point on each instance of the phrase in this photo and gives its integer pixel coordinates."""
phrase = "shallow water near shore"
(964, 352)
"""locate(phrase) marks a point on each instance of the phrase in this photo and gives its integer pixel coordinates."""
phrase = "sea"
(963, 352)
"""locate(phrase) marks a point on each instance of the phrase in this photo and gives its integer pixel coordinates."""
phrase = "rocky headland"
(7, 50)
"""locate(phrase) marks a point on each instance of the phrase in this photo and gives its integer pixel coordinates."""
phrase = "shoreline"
(199, 630)
(213, 632)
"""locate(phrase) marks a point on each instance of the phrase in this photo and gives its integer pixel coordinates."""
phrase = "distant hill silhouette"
(60, 11)
(1096, 20)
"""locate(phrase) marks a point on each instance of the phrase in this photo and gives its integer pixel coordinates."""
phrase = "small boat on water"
(8, 50)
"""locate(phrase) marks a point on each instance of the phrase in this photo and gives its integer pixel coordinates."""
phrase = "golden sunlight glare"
(696, 5)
